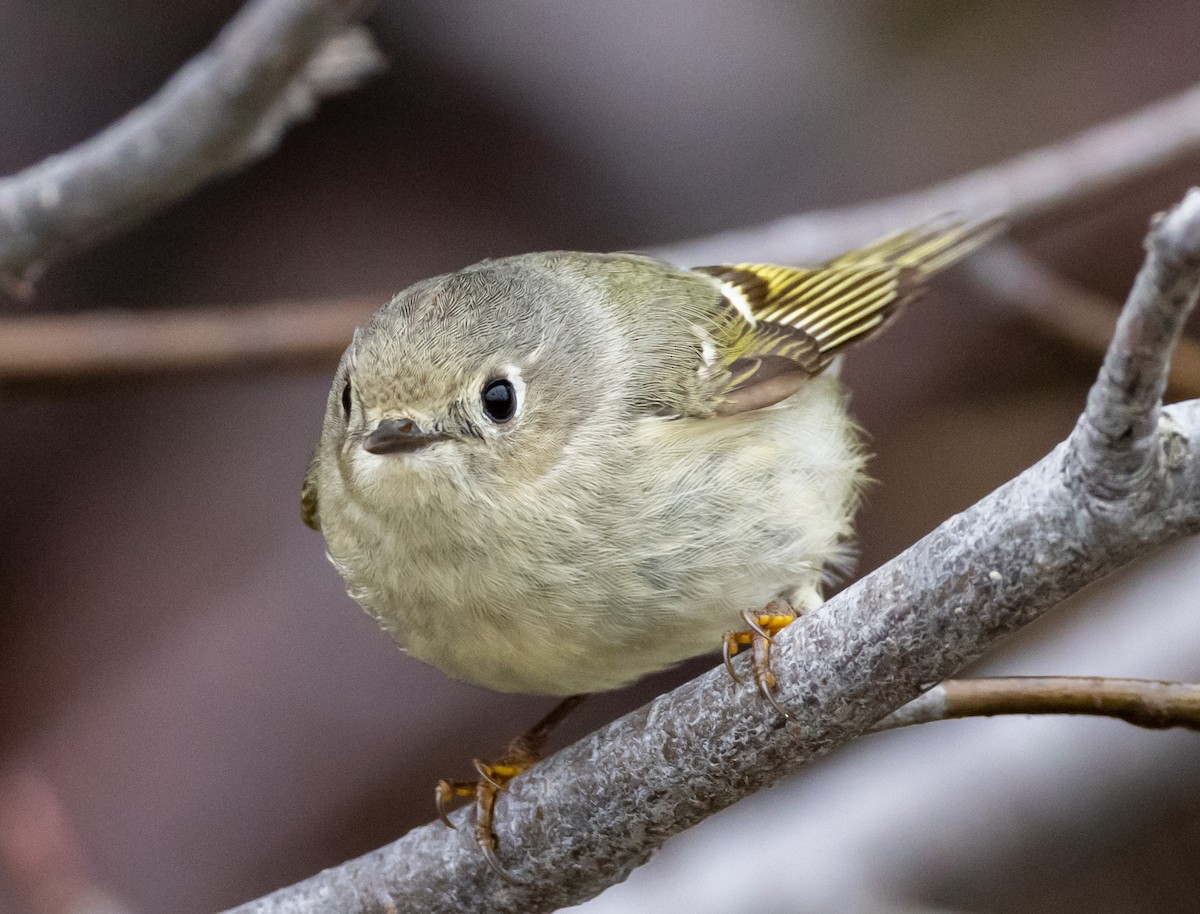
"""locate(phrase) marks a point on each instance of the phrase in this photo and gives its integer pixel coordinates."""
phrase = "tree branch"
(1116, 441)
(1142, 702)
(1032, 186)
(583, 819)
(58, 348)
(225, 108)
(1027, 189)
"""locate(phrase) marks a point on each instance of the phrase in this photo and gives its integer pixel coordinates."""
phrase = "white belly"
(625, 565)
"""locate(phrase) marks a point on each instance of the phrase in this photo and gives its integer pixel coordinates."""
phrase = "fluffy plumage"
(676, 455)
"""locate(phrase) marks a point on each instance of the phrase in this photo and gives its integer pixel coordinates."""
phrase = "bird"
(555, 473)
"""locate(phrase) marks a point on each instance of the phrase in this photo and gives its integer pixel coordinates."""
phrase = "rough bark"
(227, 107)
(1127, 480)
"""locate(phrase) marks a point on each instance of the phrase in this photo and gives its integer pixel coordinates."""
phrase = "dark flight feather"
(784, 325)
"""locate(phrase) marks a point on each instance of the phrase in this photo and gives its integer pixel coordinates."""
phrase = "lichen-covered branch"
(583, 819)
(227, 107)
(1142, 702)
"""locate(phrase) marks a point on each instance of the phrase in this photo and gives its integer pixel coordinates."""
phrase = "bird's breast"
(629, 562)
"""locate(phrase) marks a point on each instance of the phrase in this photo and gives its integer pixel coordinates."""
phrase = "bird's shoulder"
(769, 329)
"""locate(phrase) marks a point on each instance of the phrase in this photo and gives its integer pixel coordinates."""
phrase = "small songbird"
(558, 472)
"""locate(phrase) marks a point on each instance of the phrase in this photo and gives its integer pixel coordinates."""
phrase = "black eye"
(499, 400)
(346, 399)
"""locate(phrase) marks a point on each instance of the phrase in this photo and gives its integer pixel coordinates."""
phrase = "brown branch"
(1142, 702)
(1083, 319)
(227, 107)
(76, 347)
(59, 348)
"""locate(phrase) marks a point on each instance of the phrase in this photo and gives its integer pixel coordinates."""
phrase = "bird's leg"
(521, 754)
(759, 635)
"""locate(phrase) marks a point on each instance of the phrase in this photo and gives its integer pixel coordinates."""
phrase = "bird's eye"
(346, 400)
(499, 400)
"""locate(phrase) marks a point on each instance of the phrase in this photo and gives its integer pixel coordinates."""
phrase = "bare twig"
(112, 344)
(227, 107)
(1076, 315)
(584, 818)
(304, 333)
(1142, 702)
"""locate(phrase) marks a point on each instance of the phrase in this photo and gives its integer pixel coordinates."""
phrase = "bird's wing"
(780, 326)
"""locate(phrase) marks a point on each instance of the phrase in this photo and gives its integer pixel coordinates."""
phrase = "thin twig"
(1143, 702)
(581, 820)
(75, 347)
(1080, 317)
(313, 333)
(228, 106)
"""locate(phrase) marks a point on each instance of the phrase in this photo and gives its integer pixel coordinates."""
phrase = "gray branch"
(227, 107)
(1127, 480)
(1025, 189)
(1035, 185)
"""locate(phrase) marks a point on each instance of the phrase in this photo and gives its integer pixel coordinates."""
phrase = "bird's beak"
(399, 436)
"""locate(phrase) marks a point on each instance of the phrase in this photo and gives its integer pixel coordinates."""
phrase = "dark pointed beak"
(399, 436)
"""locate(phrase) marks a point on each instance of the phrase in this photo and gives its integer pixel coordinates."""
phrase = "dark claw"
(764, 676)
(493, 862)
(727, 654)
(522, 752)
(442, 793)
(768, 693)
(752, 621)
(485, 775)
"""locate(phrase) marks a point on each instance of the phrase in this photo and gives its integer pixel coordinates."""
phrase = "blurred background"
(193, 713)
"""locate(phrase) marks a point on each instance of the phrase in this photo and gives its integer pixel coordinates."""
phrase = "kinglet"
(558, 472)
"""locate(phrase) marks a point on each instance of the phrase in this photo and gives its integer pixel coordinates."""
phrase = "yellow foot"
(493, 778)
(760, 636)
(522, 753)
